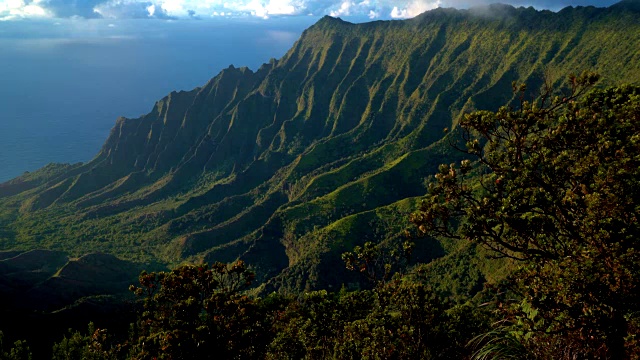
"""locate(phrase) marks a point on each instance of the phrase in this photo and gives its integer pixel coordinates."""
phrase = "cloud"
(264, 9)
(132, 9)
(194, 9)
(16, 9)
(67, 8)
(414, 9)
(344, 10)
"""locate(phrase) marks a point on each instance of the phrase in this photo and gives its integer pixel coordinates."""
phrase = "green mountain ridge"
(291, 165)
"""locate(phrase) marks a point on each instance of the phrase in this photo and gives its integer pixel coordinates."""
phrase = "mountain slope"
(289, 166)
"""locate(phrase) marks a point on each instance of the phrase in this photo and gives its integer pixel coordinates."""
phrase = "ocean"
(63, 83)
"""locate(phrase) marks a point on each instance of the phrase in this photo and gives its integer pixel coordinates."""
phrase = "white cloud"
(17, 9)
(281, 7)
(264, 9)
(344, 10)
(173, 6)
(14, 4)
(419, 6)
(116, 9)
(167, 9)
(397, 13)
(34, 10)
(414, 8)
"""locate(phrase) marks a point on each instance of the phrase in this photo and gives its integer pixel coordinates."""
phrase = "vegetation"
(298, 183)
(19, 351)
(553, 189)
(558, 195)
(284, 166)
(198, 312)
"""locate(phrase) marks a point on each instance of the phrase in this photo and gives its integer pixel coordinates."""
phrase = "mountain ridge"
(284, 166)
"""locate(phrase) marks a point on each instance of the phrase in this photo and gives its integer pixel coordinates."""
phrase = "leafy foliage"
(197, 312)
(93, 346)
(200, 312)
(19, 351)
(559, 195)
(377, 264)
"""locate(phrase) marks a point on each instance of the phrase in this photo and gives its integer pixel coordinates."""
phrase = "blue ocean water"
(63, 83)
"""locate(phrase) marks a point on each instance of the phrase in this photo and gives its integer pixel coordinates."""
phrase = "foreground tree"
(555, 187)
(93, 345)
(396, 320)
(198, 312)
(19, 351)
(379, 262)
(201, 312)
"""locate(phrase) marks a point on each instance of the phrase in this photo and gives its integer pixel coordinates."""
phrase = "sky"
(263, 9)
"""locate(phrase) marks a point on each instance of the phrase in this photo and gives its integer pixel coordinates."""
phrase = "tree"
(94, 345)
(19, 351)
(198, 312)
(379, 262)
(555, 186)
